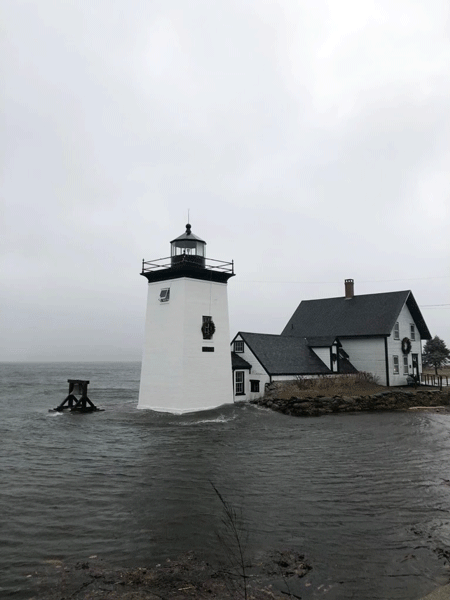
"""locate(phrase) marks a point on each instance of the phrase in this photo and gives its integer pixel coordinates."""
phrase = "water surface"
(364, 496)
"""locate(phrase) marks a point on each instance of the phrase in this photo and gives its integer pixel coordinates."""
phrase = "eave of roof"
(418, 317)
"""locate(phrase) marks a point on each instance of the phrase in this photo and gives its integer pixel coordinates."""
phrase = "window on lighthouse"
(164, 295)
(188, 247)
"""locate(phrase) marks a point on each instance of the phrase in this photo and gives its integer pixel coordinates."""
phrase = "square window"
(397, 331)
(396, 365)
(164, 295)
(254, 385)
(239, 346)
(413, 333)
(239, 383)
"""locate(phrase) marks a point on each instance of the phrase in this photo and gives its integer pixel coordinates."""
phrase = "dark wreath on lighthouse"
(208, 328)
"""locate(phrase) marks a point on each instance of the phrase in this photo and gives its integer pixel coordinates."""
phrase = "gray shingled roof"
(366, 315)
(189, 236)
(345, 366)
(283, 355)
(237, 362)
(322, 341)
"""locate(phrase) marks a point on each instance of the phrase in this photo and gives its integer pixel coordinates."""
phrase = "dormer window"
(412, 332)
(239, 346)
(164, 295)
(397, 331)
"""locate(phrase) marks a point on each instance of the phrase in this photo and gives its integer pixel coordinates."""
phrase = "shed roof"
(365, 315)
(237, 362)
(321, 341)
(284, 355)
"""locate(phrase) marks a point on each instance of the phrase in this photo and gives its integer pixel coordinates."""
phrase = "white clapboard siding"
(257, 372)
(324, 355)
(367, 354)
(405, 321)
(177, 376)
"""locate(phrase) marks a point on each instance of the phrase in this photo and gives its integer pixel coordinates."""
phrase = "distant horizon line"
(70, 361)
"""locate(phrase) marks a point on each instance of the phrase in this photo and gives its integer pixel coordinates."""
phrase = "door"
(415, 365)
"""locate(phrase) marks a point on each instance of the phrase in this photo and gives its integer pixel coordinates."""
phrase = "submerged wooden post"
(77, 387)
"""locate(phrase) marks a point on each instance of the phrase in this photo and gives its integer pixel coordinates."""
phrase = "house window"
(239, 382)
(396, 366)
(405, 365)
(208, 328)
(164, 295)
(207, 349)
(396, 331)
(239, 346)
(413, 333)
(254, 385)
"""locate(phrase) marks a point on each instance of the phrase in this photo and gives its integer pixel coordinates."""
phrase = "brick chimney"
(349, 289)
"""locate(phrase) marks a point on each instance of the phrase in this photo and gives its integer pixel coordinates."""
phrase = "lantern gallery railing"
(187, 260)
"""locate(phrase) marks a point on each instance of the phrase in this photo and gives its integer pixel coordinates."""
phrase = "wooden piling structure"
(77, 387)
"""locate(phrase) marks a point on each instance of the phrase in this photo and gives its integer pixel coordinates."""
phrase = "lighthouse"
(186, 364)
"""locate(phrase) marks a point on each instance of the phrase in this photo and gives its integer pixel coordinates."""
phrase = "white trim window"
(164, 295)
(397, 331)
(396, 365)
(254, 385)
(405, 365)
(239, 346)
(239, 383)
(412, 332)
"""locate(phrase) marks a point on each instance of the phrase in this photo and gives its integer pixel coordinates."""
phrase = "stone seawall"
(387, 401)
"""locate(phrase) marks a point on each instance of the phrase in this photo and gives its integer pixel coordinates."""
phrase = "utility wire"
(338, 282)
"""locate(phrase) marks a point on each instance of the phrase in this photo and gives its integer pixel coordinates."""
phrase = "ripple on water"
(364, 496)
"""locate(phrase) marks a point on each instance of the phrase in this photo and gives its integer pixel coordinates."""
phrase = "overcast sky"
(308, 138)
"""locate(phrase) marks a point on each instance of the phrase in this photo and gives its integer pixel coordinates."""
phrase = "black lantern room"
(187, 259)
(188, 248)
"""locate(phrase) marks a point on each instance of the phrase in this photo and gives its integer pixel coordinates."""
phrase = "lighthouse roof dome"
(188, 235)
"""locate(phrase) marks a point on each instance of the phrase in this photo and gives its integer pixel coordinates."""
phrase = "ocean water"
(366, 497)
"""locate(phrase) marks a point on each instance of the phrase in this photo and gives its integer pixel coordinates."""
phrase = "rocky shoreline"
(188, 576)
(389, 400)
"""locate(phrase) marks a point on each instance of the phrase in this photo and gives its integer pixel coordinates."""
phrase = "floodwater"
(365, 497)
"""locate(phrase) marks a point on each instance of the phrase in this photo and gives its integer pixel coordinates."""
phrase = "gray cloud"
(308, 140)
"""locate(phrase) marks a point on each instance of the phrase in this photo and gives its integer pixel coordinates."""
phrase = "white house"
(261, 358)
(380, 333)
(377, 333)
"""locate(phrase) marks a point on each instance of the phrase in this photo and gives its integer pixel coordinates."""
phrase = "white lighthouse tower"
(186, 364)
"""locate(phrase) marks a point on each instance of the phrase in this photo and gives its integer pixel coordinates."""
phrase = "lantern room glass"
(191, 248)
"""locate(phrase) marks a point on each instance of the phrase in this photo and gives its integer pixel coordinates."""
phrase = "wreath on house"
(406, 345)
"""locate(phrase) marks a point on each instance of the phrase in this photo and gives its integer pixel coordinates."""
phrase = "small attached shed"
(260, 358)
